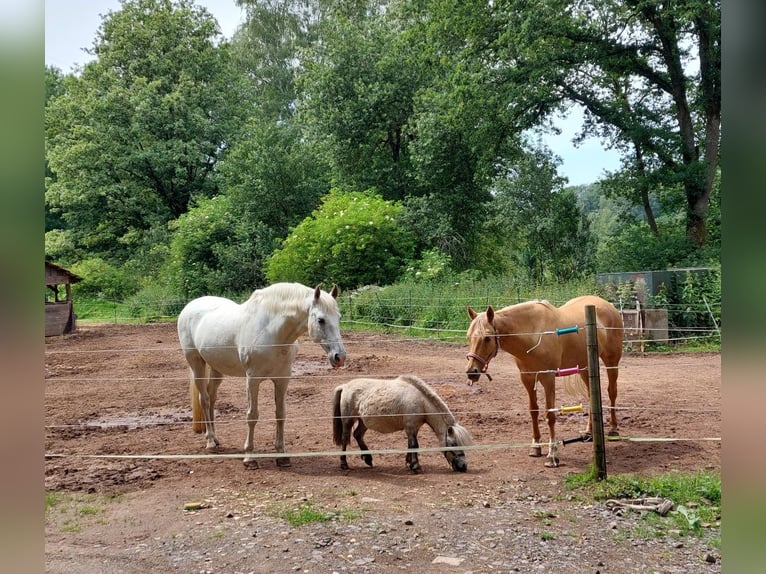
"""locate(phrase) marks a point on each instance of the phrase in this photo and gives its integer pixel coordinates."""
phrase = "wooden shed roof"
(55, 275)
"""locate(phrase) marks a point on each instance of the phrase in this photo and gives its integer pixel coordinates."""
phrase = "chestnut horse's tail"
(198, 417)
(337, 422)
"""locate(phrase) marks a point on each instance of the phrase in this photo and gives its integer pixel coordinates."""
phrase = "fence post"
(594, 378)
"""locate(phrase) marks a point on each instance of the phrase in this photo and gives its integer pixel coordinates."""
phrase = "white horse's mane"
(281, 297)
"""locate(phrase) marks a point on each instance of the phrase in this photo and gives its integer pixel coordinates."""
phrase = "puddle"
(137, 420)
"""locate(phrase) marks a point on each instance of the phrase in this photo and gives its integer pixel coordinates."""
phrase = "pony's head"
(483, 343)
(324, 325)
(455, 436)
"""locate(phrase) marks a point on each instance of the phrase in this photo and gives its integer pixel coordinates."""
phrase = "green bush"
(102, 280)
(352, 239)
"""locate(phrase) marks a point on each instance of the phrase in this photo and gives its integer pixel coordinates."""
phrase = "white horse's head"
(324, 325)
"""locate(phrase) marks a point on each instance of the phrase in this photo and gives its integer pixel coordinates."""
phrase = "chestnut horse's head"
(483, 343)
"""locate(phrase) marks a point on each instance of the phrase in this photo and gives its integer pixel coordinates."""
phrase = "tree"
(538, 224)
(138, 134)
(648, 74)
(403, 113)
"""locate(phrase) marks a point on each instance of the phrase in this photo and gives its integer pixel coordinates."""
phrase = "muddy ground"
(116, 390)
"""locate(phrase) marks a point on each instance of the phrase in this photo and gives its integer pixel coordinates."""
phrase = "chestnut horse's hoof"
(535, 451)
(284, 461)
(613, 432)
(367, 458)
(551, 462)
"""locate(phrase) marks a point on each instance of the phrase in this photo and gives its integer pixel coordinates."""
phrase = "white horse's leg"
(200, 379)
(280, 390)
(253, 386)
(213, 382)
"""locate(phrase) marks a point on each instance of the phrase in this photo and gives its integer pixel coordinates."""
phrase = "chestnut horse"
(530, 332)
(255, 340)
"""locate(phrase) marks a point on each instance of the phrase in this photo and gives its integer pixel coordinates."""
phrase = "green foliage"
(137, 134)
(433, 265)
(427, 103)
(697, 300)
(635, 247)
(102, 280)
(274, 176)
(352, 239)
(537, 225)
(214, 251)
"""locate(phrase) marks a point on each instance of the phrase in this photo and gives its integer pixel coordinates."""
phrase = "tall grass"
(438, 309)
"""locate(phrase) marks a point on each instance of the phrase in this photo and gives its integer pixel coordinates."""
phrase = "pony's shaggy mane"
(426, 389)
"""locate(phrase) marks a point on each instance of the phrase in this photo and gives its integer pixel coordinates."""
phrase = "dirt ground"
(115, 390)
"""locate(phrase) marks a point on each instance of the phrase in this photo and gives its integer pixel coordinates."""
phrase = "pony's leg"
(529, 384)
(359, 431)
(345, 439)
(280, 390)
(412, 457)
(253, 386)
(549, 385)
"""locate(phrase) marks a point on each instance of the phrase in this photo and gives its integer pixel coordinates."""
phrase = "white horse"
(390, 405)
(255, 340)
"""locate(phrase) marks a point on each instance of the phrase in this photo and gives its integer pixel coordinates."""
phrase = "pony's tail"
(198, 419)
(337, 423)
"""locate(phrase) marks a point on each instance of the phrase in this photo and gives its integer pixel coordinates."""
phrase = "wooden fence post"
(594, 378)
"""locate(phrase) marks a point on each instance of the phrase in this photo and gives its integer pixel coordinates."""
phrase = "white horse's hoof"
(250, 463)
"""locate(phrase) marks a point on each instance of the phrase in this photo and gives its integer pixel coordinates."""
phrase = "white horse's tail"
(198, 418)
(337, 423)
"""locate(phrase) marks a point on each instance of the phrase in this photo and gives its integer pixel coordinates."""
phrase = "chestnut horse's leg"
(280, 390)
(586, 379)
(528, 379)
(253, 386)
(549, 385)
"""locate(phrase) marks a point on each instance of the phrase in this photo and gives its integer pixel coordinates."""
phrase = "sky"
(71, 25)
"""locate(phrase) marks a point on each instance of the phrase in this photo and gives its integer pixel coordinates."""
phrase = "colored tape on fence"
(566, 330)
(572, 409)
(570, 371)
